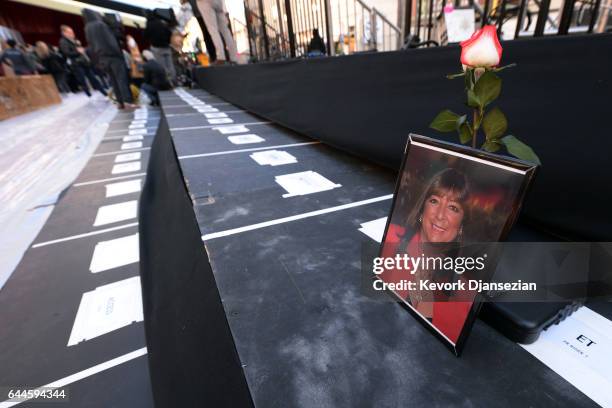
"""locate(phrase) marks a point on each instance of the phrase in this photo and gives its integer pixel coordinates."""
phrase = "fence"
(346, 26)
(279, 29)
(513, 18)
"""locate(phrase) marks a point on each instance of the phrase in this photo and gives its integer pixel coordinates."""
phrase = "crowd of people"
(111, 63)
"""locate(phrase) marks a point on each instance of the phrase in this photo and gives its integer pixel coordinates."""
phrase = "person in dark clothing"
(95, 67)
(159, 34)
(78, 61)
(317, 45)
(16, 58)
(53, 65)
(104, 46)
(155, 78)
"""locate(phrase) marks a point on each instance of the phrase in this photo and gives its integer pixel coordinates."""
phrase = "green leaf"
(492, 145)
(519, 149)
(465, 133)
(472, 100)
(494, 124)
(446, 121)
(488, 88)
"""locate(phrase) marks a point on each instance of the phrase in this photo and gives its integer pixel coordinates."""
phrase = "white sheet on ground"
(41, 153)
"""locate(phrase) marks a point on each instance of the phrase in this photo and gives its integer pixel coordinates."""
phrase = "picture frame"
(446, 197)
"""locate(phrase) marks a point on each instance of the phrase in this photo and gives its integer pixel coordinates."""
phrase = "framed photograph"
(449, 200)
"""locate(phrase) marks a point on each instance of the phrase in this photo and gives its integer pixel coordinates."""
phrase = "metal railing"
(513, 18)
(346, 26)
(388, 36)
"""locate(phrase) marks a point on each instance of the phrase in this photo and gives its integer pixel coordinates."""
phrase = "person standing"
(16, 59)
(158, 34)
(78, 61)
(104, 46)
(215, 17)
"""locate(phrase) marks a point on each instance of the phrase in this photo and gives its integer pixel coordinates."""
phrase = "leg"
(170, 69)
(114, 83)
(93, 80)
(151, 93)
(80, 77)
(102, 77)
(60, 81)
(120, 72)
(210, 19)
(227, 35)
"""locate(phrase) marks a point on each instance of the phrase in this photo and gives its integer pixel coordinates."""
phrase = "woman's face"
(442, 217)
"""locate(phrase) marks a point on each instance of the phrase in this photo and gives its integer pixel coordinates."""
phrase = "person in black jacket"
(78, 61)
(17, 59)
(53, 65)
(317, 45)
(155, 78)
(104, 46)
(158, 34)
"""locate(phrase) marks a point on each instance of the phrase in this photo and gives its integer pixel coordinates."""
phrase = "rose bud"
(482, 50)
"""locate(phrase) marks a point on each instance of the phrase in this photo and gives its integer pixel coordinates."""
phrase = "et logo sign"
(585, 340)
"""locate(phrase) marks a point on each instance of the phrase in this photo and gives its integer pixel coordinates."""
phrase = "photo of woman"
(445, 201)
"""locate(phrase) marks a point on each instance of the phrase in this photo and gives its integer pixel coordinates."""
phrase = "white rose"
(482, 50)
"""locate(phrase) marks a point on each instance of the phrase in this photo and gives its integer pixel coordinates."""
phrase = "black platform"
(268, 310)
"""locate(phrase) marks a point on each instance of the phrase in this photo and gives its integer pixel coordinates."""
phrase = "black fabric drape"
(192, 357)
(557, 100)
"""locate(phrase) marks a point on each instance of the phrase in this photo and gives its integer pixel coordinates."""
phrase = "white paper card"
(123, 187)
(305, 182)
(374, 229)
(120, 158)
(273, 157)
(137, 132)
(215, 115)
(107, 308)
(579, 349)
(125, 167)
(460, 24)
(132, 138)
(131, 145)
(245, 139)
(228, 130)
(220, 121)
(115, 253)
(112, 213)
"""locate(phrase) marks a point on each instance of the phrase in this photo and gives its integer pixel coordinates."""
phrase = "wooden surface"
(21, 94)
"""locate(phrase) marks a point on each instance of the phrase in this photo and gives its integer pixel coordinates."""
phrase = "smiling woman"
(442, 209)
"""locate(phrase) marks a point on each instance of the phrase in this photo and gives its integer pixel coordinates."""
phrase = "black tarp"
(192, 358)
(557, 100)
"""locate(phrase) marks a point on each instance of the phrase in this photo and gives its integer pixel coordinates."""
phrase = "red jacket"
(448, 316)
